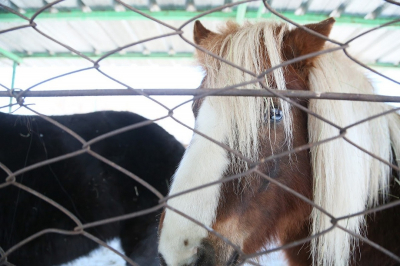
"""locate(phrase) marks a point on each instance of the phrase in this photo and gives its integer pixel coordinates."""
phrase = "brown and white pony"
(251, 211)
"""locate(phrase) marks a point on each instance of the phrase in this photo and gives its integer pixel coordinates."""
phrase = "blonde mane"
(346, 180)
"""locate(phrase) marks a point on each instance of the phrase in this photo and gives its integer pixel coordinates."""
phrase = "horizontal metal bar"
(182, 15)
(196, 92)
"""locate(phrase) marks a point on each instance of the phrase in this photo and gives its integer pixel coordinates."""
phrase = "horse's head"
(249, 211)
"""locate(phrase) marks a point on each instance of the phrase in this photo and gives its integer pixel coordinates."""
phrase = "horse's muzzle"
(205, 256)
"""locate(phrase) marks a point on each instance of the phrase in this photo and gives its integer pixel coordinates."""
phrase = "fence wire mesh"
(81, 227)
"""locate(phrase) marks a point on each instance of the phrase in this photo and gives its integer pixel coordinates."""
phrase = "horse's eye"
(275, 115)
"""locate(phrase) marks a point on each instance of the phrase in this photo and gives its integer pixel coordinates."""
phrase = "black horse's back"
(89, 188)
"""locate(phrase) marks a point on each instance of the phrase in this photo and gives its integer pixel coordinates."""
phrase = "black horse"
(87, 187)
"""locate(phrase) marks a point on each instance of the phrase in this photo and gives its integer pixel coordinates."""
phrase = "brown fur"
(298, 42)
(379, 228)
(280, 208)
(210, 39)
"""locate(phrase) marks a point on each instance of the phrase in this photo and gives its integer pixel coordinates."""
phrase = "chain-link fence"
(81, 227)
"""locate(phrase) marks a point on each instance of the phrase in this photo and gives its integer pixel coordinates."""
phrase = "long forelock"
(243, 46)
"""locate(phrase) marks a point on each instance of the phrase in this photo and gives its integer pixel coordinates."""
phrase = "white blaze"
(203, 162)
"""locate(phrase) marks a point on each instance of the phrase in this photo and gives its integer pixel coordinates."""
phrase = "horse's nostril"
(205, 255)
(234, 260)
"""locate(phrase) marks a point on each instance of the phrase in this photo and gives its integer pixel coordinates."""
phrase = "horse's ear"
(298, 42)
(200, 32)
